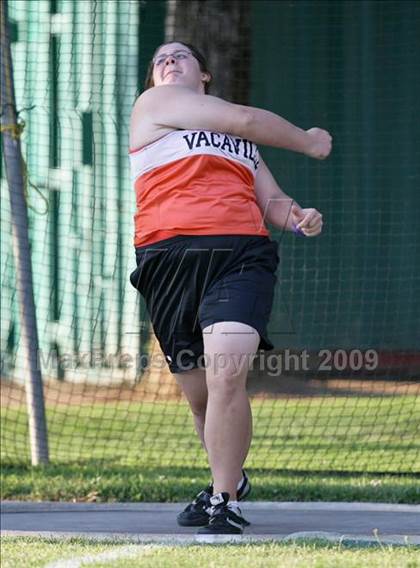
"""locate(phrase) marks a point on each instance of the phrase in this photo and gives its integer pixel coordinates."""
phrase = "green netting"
(348, 299)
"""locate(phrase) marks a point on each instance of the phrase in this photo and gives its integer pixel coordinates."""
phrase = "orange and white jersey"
(195, 182)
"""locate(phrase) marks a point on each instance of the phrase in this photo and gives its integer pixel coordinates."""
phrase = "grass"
(303, 449)
(266, 555)
(96, 483)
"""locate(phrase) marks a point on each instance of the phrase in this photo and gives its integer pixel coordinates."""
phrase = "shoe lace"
(200, 502)
(216, 515)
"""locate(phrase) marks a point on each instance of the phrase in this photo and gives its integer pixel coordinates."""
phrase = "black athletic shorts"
(191, 282)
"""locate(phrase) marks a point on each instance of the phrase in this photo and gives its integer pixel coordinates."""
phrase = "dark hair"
(148, 83)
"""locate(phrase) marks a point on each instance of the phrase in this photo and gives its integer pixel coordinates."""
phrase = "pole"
(20, 238)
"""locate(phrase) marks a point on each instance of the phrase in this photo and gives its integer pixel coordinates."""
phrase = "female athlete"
(205, 261)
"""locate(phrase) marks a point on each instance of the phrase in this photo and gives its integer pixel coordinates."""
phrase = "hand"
(309, 221)
(319, 143)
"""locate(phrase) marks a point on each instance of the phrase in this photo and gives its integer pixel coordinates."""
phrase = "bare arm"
(275, 205)
(174, 107)
(281, 210)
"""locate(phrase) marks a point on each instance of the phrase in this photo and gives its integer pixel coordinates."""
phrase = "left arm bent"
(281, 210)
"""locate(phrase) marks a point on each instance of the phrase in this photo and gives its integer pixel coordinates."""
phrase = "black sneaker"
(223, 518)
(196, 514)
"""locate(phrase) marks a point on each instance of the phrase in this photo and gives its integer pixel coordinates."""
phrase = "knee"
(199, 412)
(226, 384)
(198, 408)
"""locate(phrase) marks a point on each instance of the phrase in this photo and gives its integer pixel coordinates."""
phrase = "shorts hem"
(265, 344)
(177, 370)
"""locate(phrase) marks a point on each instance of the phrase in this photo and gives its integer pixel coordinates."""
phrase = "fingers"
(313, 231)
(325, 145)
(311, 224)
(309, 219)
(321, 143)
(298, 213)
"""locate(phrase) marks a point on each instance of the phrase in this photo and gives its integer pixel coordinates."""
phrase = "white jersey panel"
(181, 144)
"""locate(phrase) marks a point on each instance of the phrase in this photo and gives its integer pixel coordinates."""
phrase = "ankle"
(225, 489)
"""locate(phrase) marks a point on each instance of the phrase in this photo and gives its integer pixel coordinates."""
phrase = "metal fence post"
(19, 215)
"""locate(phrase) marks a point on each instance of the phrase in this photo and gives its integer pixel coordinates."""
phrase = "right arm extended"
(171, 106)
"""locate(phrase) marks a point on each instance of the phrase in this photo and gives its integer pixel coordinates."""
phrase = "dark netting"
(340, 392)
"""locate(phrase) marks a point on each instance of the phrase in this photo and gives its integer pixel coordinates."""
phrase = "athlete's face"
(174, 64)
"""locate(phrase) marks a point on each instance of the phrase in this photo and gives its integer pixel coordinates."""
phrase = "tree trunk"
(221, 30)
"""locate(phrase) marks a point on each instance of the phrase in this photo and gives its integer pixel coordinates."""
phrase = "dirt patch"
(162, 387)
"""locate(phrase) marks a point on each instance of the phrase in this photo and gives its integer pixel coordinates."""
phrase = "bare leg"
(194, 386)
(229, 347)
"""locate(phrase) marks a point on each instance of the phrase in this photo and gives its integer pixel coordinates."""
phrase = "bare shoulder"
(174, 107)
(149, 102)
(145, 126)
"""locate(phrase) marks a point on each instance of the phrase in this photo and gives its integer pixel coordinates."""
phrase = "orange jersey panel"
(210, 191)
